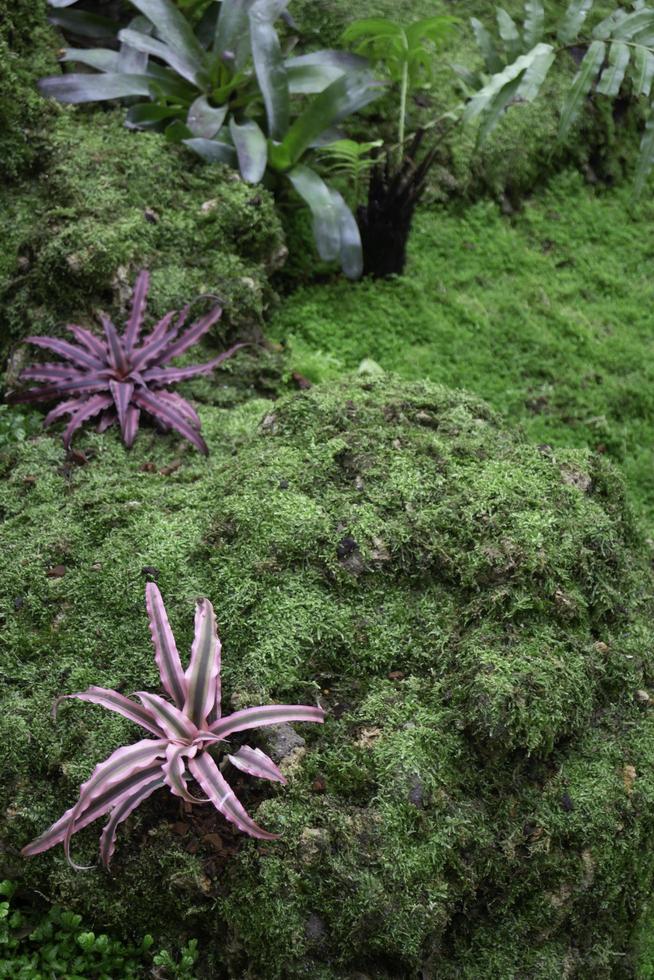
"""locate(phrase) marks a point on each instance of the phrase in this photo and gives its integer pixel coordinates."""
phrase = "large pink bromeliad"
(118, 377)
(184, 732)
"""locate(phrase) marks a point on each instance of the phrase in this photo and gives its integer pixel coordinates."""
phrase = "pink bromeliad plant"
(185, 729)
(117, 377)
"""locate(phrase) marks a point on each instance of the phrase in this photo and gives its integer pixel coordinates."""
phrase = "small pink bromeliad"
(183, 731)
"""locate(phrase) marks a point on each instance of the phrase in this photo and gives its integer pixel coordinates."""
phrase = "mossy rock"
(112, 201)
(473, 612)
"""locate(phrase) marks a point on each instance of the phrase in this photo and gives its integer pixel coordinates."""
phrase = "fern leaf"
(497, 107)
(632, 24)
(508, 32)
(613, 74)
(646, 158)
(536, 73)
(485, 99)
(573, 19)
(581, 85)
(644, 71)
(607, 27)
(534, 22)
(485, 44)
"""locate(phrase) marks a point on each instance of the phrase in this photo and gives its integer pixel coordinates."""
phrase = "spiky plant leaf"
(508, 32)
(184, 736)
(121, 375)
(485, 43)
(484, 99)
(581, 86)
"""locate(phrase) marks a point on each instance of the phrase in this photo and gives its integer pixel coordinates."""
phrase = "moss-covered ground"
(546, 313)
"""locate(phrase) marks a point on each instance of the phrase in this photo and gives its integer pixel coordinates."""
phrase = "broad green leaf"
(173, 28)
(326, 217)
(581, 86)
(482, 100)
(251, 150)
(343, 97)
(213, 151)
(495, 110)
(573, 20)
(166, 83)
(350, 250)
(269, 64)
(644, 71)
(82, 23)
(508, 32)
(186, 67)
(371, 27)
(205, 120)
(534, 22)
(536, 73)
(606, 27)
(130, 60)
(94, 88)
(309, 74)
(148, 114)
(632, 24)
(613, 74)
(232, 25)
(99, 58)
(485, 44)
(646, 158)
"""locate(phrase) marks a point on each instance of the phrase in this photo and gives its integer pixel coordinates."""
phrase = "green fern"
(517, 61)
(350, 160)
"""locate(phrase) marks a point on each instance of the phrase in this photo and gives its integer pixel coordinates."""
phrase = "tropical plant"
(350, 160)
(618, 50)
(405, 54)
(208, 88)
(185, 729)
(118, 377)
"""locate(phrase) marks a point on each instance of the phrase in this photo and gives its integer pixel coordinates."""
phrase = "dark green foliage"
(56, 944)
(112, 201)
(475, 614)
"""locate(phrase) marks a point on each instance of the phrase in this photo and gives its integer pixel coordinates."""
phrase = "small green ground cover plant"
(57, 944)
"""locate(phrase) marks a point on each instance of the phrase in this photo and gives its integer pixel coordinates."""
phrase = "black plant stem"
(393, 194)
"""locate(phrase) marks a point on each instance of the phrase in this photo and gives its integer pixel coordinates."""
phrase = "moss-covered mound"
(474, 614)
(110, 201)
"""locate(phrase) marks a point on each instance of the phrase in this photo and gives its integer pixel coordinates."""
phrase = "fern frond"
(613, 75)
(573, 19)
(581, 85)
(534, 22)
(644, 71)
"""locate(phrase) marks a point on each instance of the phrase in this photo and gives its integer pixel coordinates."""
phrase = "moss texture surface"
(472, 611)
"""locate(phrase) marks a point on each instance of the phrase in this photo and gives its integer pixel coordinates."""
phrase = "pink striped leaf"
(115, 702)
(68, 351)
(256, 763)
(116, 351)
(52, 372)
(124, 762)
(156, 343)
(92, 343)
(92, 383)
(223, 797)
(108, 418)
(121, 392)
(183, 407)
(204, 667)
(165, 376)
(172, 721)
(194, 333)
(121, 811)
(269, 714)
(90, 408)
(139, 298)
(131, 425)
(174, 769)
(165, 648)
(169, 416)
(63, 408)
(55, 834)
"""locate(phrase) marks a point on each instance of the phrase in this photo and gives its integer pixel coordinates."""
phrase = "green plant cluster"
(56, 944)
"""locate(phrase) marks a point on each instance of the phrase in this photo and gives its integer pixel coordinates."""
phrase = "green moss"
(472, 611)
(545, 315)
(28, 49)
(112, 201)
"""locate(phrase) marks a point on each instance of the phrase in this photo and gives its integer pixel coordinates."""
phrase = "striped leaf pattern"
(185, 732)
